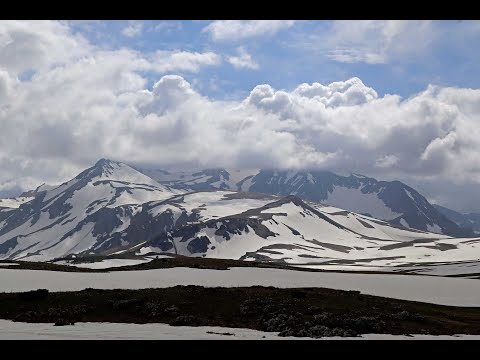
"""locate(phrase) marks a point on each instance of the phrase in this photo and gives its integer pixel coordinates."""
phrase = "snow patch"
(434, 228)
(109, 263)
(356, 201)
(14, 203)
(10, 330)
(149, 249)
(409, 194)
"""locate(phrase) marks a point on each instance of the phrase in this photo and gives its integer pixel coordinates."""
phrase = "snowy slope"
(209, 205)
(387, 200)
(298, 233)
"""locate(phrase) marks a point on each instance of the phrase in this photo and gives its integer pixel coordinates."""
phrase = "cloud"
(341, 93)
(133, 29)
(168, 26)
(78, 101)
(90, 102)
(233, 30)
(430, 134)
(377, 41)
(386, 161)
(243, 60)
(164, 61)
(6, 85)
(34, 45)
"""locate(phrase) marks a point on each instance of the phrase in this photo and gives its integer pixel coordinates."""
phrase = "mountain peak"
(103, 162)
(106, 169)
(360, 176)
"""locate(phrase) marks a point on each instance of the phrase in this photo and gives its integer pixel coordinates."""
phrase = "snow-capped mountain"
(392, 201)
(466, 221)
(112, 208)
(87, 213)
(289, 230)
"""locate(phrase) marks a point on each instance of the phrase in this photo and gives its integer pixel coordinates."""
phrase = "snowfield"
(436, 290)
(209, 205)
(467, 269)
(109, 263)
(359, 202)
(10, 330)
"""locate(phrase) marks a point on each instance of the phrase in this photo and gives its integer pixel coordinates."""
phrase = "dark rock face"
(467, 221)
(238, 225)
(164, 244)
(198, 245)
(185, 218)
(8, 245)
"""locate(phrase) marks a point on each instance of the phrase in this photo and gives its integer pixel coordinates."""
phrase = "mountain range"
(112, 208)
(392, 201)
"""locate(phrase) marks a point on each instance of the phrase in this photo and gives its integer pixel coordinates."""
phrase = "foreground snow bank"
(110, 263)
(436, 290)
(10, 330)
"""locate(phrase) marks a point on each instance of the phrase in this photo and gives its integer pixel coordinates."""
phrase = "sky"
(395, 100)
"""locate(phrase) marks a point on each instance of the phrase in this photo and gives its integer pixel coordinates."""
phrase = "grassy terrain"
(314, 312)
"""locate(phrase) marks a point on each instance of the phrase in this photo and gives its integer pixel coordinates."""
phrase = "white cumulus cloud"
(168, 26)
(133, 29)
(243, 60)
(83, 102)
(386, 161)
(38, 44)
(226, 30)
(165, 61)
(377, 41)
